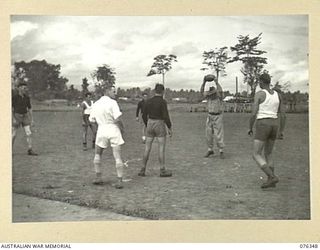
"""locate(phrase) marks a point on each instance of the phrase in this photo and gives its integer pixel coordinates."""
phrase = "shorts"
(156, 128)
(109, 134)
(86, 122)
(21, 119)
(266, 129)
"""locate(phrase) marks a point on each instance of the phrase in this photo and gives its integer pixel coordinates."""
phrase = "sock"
(272, 169)
(29, 141)
(97, 163)
(266, 169)
(119, 168)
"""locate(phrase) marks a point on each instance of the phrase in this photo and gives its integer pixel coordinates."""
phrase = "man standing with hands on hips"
(214, 123)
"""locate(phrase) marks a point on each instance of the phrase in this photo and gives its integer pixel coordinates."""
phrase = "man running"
(22, 115)
(107, 114)
(157, 120)
(265, 109)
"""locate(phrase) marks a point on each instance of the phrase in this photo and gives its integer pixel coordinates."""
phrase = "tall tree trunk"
(253, 90)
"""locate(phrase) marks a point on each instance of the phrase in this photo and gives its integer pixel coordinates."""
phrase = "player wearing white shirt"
(106, 113)
(86, 109)
(266, 109)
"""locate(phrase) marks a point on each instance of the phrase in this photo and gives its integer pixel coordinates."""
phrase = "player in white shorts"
(106, 113)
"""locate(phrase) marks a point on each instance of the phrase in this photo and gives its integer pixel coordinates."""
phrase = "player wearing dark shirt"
(157, 120)
(22, 115)
(140, 109)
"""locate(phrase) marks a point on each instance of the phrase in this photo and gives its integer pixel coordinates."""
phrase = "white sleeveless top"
(88, 108)
(269, 107)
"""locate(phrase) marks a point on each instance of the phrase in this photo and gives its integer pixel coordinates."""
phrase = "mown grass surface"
(199, 189)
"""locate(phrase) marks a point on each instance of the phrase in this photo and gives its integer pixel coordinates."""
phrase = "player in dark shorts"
(157, 120)
(139, 113)
(266, 111)
(22, 114)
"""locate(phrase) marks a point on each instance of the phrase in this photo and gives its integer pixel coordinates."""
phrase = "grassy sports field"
(200, 188)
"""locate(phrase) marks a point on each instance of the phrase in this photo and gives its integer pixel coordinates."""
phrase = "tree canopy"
(104, 76)
(162, 64)
(216, 61)
(40, 76)
(85, 86)
(253, 63)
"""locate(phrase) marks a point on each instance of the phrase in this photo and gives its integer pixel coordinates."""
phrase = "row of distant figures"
(246, 108)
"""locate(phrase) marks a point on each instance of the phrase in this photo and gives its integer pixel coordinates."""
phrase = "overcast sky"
(128, 44)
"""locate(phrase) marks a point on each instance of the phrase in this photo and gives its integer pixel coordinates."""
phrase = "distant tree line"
(187, 95)
(43, 79)
(45, 82)
(193, 96)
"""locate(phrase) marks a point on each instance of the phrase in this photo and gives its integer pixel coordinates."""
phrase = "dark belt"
(213, 113)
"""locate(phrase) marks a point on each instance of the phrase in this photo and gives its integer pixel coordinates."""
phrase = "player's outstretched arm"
(219, 89)
(258, 98)
(202, 87)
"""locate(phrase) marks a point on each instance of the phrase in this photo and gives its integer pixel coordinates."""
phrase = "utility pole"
(236, 103)
(236, 86)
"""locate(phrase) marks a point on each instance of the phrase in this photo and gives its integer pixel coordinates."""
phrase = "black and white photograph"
(146, 118)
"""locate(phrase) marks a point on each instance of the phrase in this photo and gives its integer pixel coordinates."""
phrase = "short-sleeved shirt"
(105, 111)
(20, 104)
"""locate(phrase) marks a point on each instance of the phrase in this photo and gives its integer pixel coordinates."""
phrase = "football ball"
(209, 78)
